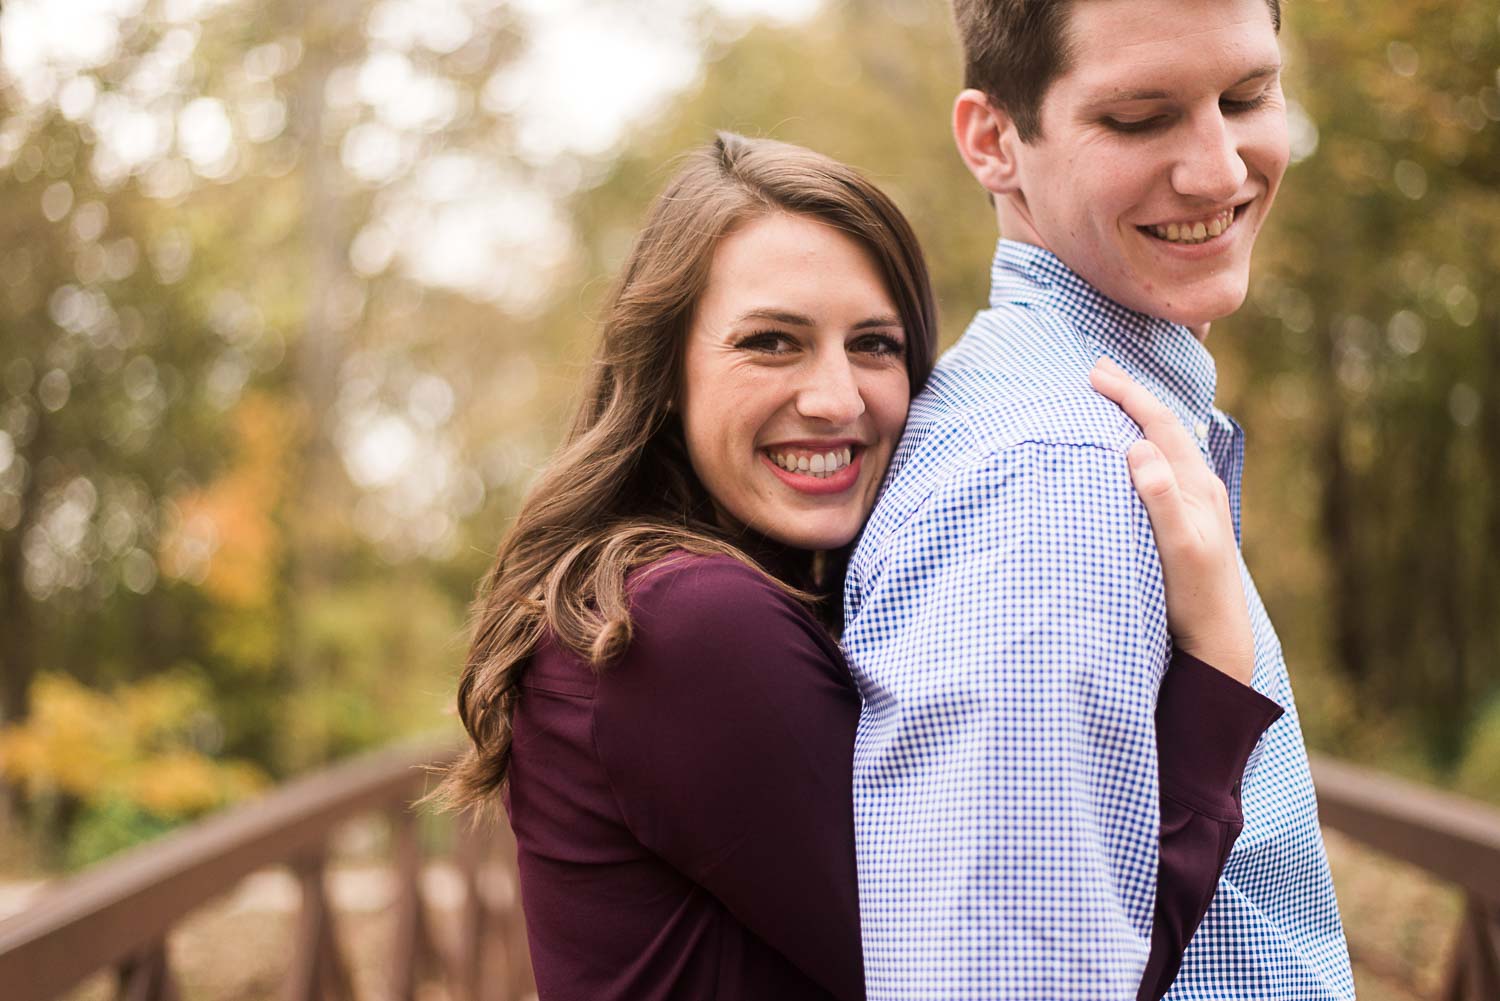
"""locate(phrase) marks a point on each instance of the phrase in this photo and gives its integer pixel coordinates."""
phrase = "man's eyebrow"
(792, 319)
(1125, 96)
(1259, 73)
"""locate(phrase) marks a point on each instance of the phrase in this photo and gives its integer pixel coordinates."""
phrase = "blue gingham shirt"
(1007, 626)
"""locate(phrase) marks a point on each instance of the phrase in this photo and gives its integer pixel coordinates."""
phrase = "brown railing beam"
(113, 912)
(1453, 838)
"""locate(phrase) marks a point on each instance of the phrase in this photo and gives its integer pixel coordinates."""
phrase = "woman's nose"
(830, 392)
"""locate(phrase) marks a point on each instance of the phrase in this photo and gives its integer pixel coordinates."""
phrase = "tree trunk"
(1347, 591)
(18, 626)
(318, 485)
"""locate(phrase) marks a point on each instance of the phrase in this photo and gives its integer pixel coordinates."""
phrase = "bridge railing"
(118, 914)
(1455, 839)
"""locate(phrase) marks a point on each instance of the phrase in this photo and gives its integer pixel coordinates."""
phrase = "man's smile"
(1199, 230)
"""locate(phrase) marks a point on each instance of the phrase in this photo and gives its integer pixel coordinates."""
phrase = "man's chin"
(1199, 314)
(1193, 306)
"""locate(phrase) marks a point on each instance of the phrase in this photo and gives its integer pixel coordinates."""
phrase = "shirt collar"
(1163, 356)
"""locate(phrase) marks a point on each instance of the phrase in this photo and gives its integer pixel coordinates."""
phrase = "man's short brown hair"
(1014, 49)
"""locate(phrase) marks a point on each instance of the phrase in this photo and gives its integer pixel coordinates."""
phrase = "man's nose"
(830, 392)
(1209, 165)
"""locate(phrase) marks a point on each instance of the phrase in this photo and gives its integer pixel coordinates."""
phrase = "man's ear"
(987, 141)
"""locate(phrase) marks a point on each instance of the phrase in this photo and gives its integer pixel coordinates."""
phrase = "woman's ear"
(986, 138)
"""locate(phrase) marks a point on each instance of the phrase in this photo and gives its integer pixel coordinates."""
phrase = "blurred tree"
(133, 760)
(270, 290)
(1372, 349)
(839, 85)
(101, 413)
(293, 298)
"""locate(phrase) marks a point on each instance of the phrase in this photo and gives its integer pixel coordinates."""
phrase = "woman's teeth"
(817, 464)
(1194, 232)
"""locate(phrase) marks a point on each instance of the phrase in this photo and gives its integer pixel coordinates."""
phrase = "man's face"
(1161, 149)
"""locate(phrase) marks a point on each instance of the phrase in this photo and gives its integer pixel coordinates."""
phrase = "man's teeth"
(819, 464)
(1195, 232)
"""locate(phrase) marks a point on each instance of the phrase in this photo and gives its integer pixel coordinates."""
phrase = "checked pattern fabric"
(1006, 624)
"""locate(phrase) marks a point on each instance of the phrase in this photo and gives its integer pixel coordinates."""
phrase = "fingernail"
(1107, 364)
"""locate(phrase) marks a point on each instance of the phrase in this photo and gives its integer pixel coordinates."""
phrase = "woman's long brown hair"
(620, 492)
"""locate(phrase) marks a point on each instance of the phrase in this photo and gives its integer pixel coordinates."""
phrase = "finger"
(1157, 484)
(1157, 422)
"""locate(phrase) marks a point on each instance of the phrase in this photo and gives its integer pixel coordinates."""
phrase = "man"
(1006, 617)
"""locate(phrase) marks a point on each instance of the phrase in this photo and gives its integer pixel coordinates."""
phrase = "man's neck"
(1015, 226)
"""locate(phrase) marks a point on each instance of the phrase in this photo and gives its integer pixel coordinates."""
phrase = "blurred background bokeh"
(293, 297)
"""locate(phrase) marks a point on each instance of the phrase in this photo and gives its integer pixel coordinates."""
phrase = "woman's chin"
(814, 537)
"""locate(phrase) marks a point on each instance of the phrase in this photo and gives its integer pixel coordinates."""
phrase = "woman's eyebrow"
(792, 319)
(777, 316)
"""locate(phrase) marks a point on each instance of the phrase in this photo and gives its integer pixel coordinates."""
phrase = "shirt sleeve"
(1009, 639)
(1206, 726)
(727, 731)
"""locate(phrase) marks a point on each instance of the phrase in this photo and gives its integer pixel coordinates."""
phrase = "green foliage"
(109, 827)
(133, 762)
(1479, 774)
(1367, 363)
(142, 743)
(190, 348)
(193, 354)
(387, 653)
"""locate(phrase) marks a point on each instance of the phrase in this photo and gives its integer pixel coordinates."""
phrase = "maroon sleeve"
(728, 734)
(1206, 726)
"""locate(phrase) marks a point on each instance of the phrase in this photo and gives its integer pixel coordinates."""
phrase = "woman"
(654, 678)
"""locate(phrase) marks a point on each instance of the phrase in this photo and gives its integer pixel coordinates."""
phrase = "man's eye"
(1130, 125)
(1239, 107)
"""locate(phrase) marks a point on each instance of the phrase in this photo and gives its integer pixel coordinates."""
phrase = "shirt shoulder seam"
(937, 484)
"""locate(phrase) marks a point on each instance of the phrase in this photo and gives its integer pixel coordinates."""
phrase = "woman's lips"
(835, 483)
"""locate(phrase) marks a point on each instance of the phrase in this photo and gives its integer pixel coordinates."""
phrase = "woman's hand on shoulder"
(1189, 510)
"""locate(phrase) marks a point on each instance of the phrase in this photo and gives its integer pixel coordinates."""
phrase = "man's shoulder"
(1016, 384)
(1021, 373)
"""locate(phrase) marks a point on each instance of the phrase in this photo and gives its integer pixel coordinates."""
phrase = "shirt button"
(1201, 430)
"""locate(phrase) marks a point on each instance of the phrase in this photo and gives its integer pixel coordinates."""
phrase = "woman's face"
(794, 381)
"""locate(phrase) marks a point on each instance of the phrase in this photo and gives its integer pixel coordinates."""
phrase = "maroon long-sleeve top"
(684, 817)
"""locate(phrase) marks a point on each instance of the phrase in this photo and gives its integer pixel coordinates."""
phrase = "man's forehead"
(1126, 49)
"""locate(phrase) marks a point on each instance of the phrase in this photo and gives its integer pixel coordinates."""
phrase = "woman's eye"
(773, 342)
(878, 344)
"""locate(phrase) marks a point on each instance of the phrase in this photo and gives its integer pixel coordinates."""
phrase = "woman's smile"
(795, 385)
(816, 468)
